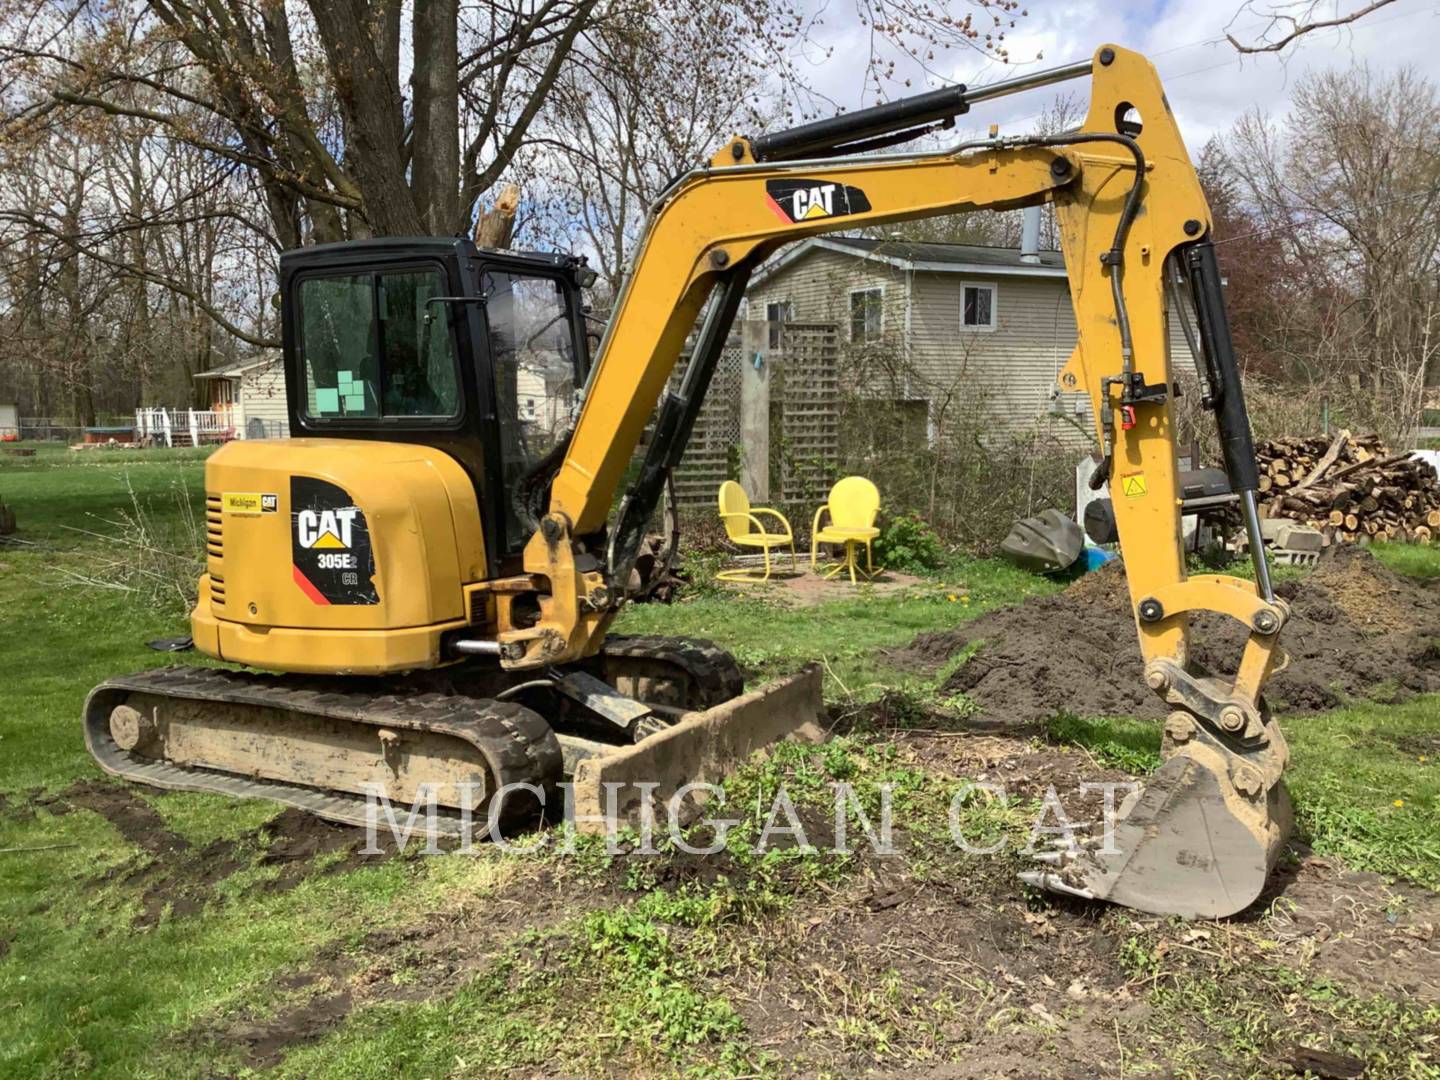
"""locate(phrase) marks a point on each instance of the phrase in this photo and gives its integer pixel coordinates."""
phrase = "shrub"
(906, 542)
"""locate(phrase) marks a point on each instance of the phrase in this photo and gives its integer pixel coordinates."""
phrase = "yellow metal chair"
(854, 502)
(738, 517)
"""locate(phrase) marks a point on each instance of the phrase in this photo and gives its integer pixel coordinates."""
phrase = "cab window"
(533, 356)
(373, 346)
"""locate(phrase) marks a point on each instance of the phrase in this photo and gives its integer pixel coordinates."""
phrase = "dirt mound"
(1356, 629)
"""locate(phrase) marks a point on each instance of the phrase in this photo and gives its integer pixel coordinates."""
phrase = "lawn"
(168, 934)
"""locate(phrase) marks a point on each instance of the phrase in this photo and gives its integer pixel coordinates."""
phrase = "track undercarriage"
(331, 745)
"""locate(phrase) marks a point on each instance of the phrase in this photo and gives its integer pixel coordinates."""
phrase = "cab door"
(531, 324)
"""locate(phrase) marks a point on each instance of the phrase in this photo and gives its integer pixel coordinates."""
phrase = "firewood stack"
(1352, 488)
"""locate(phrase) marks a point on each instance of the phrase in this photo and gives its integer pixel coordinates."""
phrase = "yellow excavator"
(431, 563)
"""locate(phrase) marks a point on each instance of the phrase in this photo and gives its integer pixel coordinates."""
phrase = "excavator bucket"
(1046, 544)
(1198, 840)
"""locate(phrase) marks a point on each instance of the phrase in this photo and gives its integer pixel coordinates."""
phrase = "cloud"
(1208, 83)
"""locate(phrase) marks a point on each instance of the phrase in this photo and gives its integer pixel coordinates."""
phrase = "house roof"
(240, 368)
(929, 258)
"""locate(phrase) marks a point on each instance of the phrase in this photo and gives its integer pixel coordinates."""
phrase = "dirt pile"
(1356, 629)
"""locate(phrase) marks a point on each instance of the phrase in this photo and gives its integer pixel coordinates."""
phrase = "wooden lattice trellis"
(804, 410)
(707, 461)
(809, 405)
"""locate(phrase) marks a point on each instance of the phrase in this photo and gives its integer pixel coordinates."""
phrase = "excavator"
(425, 572)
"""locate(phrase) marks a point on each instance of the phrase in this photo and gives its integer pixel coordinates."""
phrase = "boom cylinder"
(837, 132)
(1237, 445)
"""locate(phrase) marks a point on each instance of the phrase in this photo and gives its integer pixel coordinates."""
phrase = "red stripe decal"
(308, 587)
(778, 212)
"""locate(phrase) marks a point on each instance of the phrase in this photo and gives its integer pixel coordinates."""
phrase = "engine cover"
(335, 555)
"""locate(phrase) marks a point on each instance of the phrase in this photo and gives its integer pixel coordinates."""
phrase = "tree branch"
(1299, 28)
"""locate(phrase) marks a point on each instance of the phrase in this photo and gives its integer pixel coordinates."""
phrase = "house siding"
(1010, 371)
(262, 395)
(819, 284)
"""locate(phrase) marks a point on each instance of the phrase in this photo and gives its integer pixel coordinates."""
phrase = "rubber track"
(714, 675)
(515, 742)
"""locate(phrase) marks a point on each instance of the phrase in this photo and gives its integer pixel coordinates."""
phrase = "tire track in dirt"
(173, 874)
(408, 964)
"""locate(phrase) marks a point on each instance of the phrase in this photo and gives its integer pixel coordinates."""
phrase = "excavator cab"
(374, 555)
(435, 342)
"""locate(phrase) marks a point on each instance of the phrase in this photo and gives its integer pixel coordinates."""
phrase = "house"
(248, 396)
(987, 325)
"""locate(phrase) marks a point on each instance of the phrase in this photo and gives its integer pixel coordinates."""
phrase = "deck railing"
(184, 427)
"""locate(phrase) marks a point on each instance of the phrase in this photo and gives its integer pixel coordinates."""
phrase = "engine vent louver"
(215, 549)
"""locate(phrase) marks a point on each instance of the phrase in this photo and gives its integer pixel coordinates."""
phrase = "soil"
(173, 874)
(1040, 986)
(1053, 995)
(807, 589)
(1047, 992)
(419, 962)
(1355, 629)
(266, 1044)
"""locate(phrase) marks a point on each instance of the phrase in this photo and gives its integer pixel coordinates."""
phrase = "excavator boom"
(1132, 219)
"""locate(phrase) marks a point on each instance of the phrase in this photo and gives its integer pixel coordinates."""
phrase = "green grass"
(1216, 1015)
(60, 491)
(1132, 745)
(1366, 785)
(847, 634)
(1422, 561)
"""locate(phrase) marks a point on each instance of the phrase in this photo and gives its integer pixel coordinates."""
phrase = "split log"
(1352, 485)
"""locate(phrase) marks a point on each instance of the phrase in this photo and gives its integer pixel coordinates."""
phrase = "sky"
(1209, 85)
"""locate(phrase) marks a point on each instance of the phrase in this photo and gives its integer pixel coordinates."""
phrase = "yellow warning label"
(240, 502)
(1133, 486)
(248, 502)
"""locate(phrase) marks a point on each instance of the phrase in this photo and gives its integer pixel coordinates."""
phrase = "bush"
(906, 542)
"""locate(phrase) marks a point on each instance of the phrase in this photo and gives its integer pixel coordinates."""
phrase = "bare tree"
(215, 134)
(1288, 20)
(647, 104)
(1350, 182)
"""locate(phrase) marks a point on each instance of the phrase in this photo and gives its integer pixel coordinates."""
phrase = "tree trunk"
(435, 160)
(373, 113)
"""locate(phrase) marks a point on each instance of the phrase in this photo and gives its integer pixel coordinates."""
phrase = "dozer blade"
(1192, 843)
(702, 748)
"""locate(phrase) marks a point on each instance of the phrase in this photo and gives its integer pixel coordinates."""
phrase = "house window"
(777, 315)
(977, 307)
(867, 315)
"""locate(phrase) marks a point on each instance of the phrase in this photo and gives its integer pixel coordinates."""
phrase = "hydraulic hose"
(1115, 257)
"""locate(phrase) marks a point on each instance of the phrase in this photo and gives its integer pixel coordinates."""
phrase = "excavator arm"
(1132, 220)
